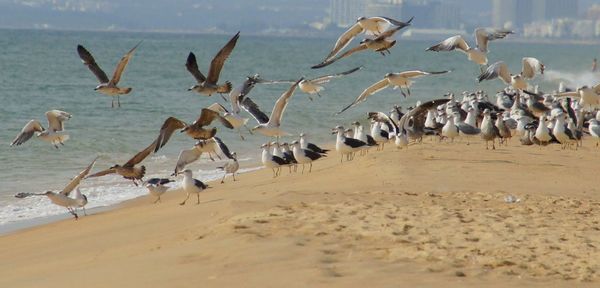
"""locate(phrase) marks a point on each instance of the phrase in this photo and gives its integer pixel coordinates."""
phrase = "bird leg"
(84, 213)
(241, 136)
(198, 197)
(223, 97)
(73, 213)
(249, 130)
(157, 200)
(119, 101)
(112, 103)
(402, 91)
(318, 94)
(408, 89)
(233, 174)
(186, 198)
(223, 180)
(310, 168)
(302, 169)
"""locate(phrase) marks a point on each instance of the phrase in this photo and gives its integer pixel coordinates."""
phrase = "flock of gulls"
(520, 110)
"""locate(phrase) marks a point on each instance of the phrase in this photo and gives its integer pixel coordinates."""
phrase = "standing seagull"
(271, 161)
(230, 167)
(208, 85)
(55, 133)
(304, 144)
(346, 146)
(476, 54)
(397, 80)
(156, 187)
(304, 156)
(129, 170)
(191, 185)
(370, 25)
(62, 198)
(270, 126)
(531, 66)
(107, 87)
(381, 44)
(195, 130)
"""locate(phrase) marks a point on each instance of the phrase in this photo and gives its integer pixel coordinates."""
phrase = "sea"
(40, 71)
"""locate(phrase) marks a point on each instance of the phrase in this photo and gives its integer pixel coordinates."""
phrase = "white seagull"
(346, 146)
(230, 167)
(191, 186)
(305, 156)
(108, 86)
(271, 161)
(476, 54)
(56, 129)
(209, 146)
(396, 80)
(270, 126)
(156, 187)
(589, 96)
(531, 66)
(62, 198)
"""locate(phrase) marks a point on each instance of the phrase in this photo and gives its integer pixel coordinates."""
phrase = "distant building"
(512, 14)
(544, 10)
(345, 12)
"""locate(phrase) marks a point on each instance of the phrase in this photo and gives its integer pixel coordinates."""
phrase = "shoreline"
(430, 215)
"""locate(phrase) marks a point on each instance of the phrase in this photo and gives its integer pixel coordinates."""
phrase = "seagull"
(367, 25)
(476, 54)
(129, 170)
(590, 96)
(346, 146)
(360, 134)
(489, 131)
(531, 66)
(305, 156)
(379, 135)
(450, 130)
(196, 130)
(542, 133)
(503, 128)
(314, 86)
(62, 198)
(381, 44)
(191, 185)
(56, 129)
(562, 134)
(156, 186)
(202, 146)
(108, 87)
(270, 126)
(230, 167)
(288, 156)
(304, 144)
(400, 135)
(397, 80)
(595, 130)
(208, 85)
(271, 161)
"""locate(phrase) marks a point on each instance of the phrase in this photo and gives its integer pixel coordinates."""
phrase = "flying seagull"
(315, 85)
(209, 146)
(590, 96)
(129, 170)
(477, 54)
(397, 80)
(270, 126)
(56, 129)
(369, 25)
(62, 198)
(531, 66)
(195, 130)
(413, 122)
(108, 87)
(209, 85)
(381, 44)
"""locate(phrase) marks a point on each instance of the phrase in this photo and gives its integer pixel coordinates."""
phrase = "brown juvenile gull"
(106, 86)
(129, 169)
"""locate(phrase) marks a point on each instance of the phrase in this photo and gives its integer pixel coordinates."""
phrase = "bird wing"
(483, 36)
(395, 22)
(345, 39)
(418, 114)
(88, 60)
(418, 73)
(568, 94)
(102, 173)
(358, 48)
(281, 103)
(207, 116)
(254, 110)
(378, 86)
(167, 129)
(388, 33)
(531, 66)
(122, 64)
(455, 42)
(186, 157)
(140, 156)
(383, 118)
(498, 69)
(192, 66)
(27, 132)
(56, 119)
(219, 60)
(75, 181)
(223, 148)
(327, 78)
(217, 107)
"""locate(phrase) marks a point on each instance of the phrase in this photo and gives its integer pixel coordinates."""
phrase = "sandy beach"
(430, 216)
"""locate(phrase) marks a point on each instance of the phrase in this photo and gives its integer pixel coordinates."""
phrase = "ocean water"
(40, 71)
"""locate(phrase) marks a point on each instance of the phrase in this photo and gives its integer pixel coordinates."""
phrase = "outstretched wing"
(167, 129)
(496, 70)
(396, 23)
(186, 157)
(88, 60)
(345, 39)
(223, 148)
(27, 132)
(140, 156)
(378, 86)
(207, 116)
(531, 66)
(327, 78)
(382, 118)
(254, 110)
(483, 36)
(455, 42)
(56, 119)
(415, 118)
(103, 172)
(418, 73)
(192, 66)
(122, 64)
(75, 181)
(281, 103)
(345, 54)
(217, 63)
